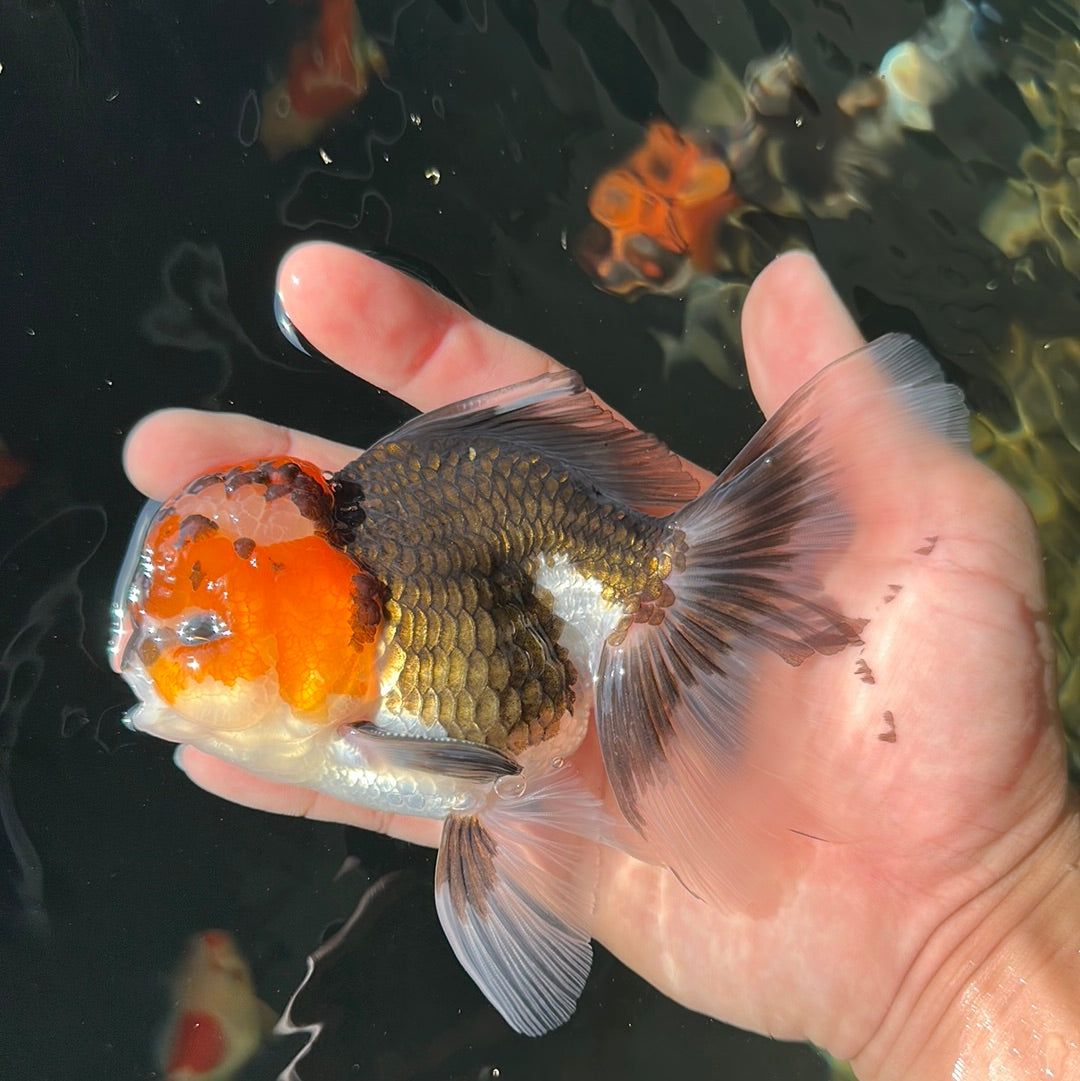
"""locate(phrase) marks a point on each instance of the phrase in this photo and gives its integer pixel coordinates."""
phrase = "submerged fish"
(217, 1023)
(12, 469)
(429, 630)
(721, 193)
(328, 72)
(659, 211)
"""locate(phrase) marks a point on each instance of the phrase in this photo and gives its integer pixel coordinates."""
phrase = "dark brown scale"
(208, 481)
(280, 480)
(195, 527)
(456, 529)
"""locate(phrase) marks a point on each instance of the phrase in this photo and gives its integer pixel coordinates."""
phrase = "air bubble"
(511, 786)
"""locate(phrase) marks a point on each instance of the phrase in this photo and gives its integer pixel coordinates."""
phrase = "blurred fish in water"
(328, 72)
(428, 631)
(217, 1022)
(664, 216)
(661, 206)
(12, 470)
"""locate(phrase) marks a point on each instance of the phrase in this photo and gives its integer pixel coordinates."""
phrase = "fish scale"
(455, 530)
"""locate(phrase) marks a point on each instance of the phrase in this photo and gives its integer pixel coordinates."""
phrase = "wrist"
(1004, 1001)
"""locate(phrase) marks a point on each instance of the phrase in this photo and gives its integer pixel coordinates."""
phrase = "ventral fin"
(556, 416)
(694, 755)
(514, 889)
(454, 758)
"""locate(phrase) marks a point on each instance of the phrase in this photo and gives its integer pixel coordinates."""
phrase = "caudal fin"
(679, 703)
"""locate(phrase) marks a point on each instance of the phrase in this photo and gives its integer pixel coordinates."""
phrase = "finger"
(166, 449)
(395, 332)
(234, 784)
(793, 324)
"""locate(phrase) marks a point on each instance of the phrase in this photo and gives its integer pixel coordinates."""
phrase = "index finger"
(395, 332)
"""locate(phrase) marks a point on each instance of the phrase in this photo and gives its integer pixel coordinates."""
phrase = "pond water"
(141, 224)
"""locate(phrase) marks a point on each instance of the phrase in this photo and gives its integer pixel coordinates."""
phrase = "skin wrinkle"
(953, 969)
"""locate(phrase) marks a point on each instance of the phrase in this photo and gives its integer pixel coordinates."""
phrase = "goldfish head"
(655, 215)
(237, 616)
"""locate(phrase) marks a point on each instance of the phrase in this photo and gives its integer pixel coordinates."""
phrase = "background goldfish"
(217, 1021)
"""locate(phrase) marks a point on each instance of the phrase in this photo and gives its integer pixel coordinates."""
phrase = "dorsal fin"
(555, 415)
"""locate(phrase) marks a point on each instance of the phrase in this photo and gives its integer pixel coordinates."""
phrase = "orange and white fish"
(430, 631)
(656, 214)
(328, 72)
(217, 1022)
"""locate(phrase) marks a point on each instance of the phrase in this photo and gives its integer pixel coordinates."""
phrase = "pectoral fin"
(454, 758)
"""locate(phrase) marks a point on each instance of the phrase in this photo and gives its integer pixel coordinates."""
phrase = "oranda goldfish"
(429, 630)
(659, 211)
(690, 202)
(217, 1022)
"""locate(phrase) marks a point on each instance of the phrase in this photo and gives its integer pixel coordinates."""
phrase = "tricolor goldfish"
(689, 202)
(430, 630)
(217, 1023)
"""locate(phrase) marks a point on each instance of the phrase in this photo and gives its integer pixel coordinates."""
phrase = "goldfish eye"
(201, 629)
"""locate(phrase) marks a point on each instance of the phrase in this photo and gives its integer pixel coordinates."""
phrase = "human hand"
(910, 844)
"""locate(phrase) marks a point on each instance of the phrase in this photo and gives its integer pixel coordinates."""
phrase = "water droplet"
(414, 119)
(558, 762)
(432, 174)
(510, 787)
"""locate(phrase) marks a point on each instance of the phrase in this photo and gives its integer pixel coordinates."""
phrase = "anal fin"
(514, 889)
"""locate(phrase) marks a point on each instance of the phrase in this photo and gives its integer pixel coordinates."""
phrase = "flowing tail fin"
(687, 745)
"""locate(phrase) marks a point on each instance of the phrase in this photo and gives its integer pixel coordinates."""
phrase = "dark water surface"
(139, 235)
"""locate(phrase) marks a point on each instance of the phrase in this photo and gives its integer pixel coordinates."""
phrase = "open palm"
(915, 774)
